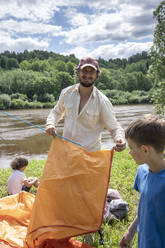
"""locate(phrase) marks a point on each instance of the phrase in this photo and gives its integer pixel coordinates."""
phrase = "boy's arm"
(129, 235)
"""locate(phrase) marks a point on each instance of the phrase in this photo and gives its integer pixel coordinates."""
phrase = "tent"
(69, 202)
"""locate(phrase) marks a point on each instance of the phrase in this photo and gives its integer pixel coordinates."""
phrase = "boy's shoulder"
(143, 167)
(142, 171)
(18, 172)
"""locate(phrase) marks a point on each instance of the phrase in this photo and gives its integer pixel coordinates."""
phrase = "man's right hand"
(51, 131)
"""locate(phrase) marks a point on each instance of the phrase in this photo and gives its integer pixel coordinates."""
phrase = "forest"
(34, 79)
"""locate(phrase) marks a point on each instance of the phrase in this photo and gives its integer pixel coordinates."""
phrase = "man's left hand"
(120, 145)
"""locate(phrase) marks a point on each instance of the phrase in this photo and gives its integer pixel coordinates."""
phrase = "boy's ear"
(145, 148)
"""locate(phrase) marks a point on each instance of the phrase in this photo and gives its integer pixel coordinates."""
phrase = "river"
(19, 138)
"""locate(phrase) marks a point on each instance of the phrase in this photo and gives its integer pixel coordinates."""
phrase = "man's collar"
(76, 89)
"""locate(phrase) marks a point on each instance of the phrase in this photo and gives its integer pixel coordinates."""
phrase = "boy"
(146, 140)
(17, 180)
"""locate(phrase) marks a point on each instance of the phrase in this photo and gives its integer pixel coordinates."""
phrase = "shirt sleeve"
(22, 177)
(136, 182)
(57, 112)
(110, 122)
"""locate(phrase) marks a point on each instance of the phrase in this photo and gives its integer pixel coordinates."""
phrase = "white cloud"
(123, 27)
(25, 9)
(44, 10)
(130, 22)
(28, 27)
(76, 19)
(120, 50)
(111, 50)
(78, 51)
(21, 44)
(104, 4)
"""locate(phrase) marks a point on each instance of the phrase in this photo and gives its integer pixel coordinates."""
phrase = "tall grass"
(122, 178)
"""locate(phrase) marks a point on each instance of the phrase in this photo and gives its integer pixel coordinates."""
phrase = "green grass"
(122, 178)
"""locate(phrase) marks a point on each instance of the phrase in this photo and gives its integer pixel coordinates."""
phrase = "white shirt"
(15, 182)
(85, 127)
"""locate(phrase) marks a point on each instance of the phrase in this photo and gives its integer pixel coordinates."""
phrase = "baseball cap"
(89, 61)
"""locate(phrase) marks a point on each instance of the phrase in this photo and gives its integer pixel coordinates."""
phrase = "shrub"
(35, 105)
(19, 96)
(46, 98)
(5, 101)
(48, 104)
(134, 99)
(17, 104)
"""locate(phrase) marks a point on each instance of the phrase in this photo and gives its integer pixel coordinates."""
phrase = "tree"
(64, 80)
(131, 81)
(70, 68)
(12, 63)
(3, 62)
(60, 65)
(25, 65)
(141, 66)
(5, 101)
(105, 79)
(158, 58)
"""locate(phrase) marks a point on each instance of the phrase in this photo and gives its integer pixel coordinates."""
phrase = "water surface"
(17, 137)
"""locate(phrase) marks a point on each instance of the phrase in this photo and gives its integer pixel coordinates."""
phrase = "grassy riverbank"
(122, 178)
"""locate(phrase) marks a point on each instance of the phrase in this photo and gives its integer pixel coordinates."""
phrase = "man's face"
(87, 76)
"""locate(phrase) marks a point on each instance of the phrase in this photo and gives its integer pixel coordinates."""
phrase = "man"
(86, 111)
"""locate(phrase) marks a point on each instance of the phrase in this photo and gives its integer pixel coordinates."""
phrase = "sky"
(100, 28)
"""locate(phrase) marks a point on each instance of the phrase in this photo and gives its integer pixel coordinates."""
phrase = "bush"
(138, 96)
(125, 97)
(117, 96)
(35, 105)
(49, 104)
(134, 99)
(20, 96)
(18, 104)
(45, 98)
(5, 101)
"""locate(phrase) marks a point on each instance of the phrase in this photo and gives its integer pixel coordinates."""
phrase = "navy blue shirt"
(151, 209)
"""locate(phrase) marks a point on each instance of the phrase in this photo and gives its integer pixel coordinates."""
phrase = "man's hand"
(120, 145)
(51, 131)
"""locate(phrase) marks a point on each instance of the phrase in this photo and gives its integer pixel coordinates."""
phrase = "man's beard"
(86, 84)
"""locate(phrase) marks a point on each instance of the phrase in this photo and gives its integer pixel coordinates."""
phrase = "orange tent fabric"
(15, 214)
(15, 211)
(69, 202)
(71, 196)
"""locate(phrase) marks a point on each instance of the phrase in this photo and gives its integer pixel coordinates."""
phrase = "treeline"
(35, 79)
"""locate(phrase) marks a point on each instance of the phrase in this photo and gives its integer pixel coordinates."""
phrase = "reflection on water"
(17, 137)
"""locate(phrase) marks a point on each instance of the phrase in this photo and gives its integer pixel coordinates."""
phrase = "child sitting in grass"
(146, 140)
(17, 180)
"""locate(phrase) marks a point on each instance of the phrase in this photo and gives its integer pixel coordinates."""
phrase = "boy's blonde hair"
(148, 130)
(18, 162)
